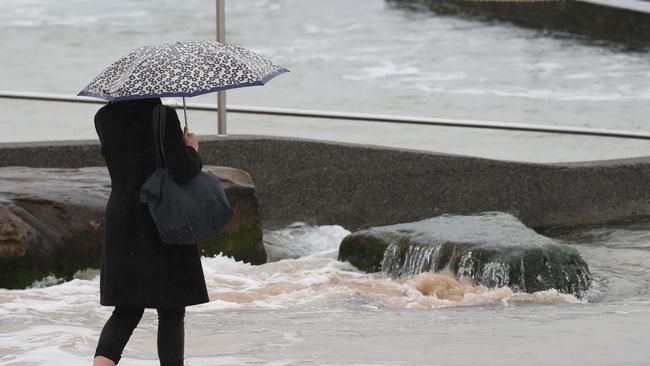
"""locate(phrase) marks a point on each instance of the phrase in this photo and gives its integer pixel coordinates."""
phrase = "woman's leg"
(117, 331)
(171, 336)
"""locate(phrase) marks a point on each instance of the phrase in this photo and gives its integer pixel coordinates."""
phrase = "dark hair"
(135, 111)
(133, 105)
(134, 114)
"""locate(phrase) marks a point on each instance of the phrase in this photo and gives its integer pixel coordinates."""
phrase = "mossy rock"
(363, 250)
(51, 222)
(242, 237)
(494, 249)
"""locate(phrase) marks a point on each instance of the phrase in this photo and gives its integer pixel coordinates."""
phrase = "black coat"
(137, 267)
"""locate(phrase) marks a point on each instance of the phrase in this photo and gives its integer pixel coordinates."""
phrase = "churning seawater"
(304, 307)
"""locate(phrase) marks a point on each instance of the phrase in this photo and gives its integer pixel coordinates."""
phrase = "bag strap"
(159, 119)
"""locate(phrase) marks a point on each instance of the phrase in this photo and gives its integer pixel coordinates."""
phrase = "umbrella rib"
(140, 61)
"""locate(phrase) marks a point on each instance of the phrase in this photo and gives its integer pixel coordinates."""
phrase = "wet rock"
(594, 19)
(51, 221)
(492, 248)
(242, 236)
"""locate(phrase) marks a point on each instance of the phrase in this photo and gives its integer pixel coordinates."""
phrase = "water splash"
(299, 239)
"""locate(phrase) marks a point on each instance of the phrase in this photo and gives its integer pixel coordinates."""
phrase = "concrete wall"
(356, 186)
(616, 21)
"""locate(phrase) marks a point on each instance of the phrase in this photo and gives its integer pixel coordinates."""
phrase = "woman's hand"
(190, 139)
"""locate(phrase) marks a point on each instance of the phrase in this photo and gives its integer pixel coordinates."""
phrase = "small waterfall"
(403, 258)
(496, 274)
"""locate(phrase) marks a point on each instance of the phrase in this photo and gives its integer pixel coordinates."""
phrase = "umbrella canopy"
(181, 69)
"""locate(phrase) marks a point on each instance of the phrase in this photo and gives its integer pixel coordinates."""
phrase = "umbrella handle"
(185, 112)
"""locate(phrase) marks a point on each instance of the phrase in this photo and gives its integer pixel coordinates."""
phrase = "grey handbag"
(184, 213)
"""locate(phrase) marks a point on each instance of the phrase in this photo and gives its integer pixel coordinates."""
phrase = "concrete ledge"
(358, 186)
(622, 21)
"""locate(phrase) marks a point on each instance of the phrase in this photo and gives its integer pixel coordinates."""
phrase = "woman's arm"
(183, 162)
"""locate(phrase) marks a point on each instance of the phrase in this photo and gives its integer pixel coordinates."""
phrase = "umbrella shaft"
(185, 112)
(221, 113)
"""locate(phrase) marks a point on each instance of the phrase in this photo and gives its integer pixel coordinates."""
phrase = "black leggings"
(120, 326)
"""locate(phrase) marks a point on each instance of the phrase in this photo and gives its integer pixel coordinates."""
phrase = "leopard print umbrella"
(181, 69)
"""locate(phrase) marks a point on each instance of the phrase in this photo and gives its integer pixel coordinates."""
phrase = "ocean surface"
(304, 307)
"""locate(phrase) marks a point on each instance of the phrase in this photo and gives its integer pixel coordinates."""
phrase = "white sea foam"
(547, 94)
(386, 69)
(299, 240)
(305, 271)
(62, 321)
(581, 76)
(433, 76)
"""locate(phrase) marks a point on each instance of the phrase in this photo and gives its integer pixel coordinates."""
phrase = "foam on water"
(546, 94)
(285, 283)
(299, 240)
(313, 280)
(61, 321)
(305, 270)
(386, 69)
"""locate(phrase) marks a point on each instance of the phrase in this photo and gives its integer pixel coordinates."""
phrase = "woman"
(139, 270)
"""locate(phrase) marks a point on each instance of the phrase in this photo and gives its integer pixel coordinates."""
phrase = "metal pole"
(221, 96)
